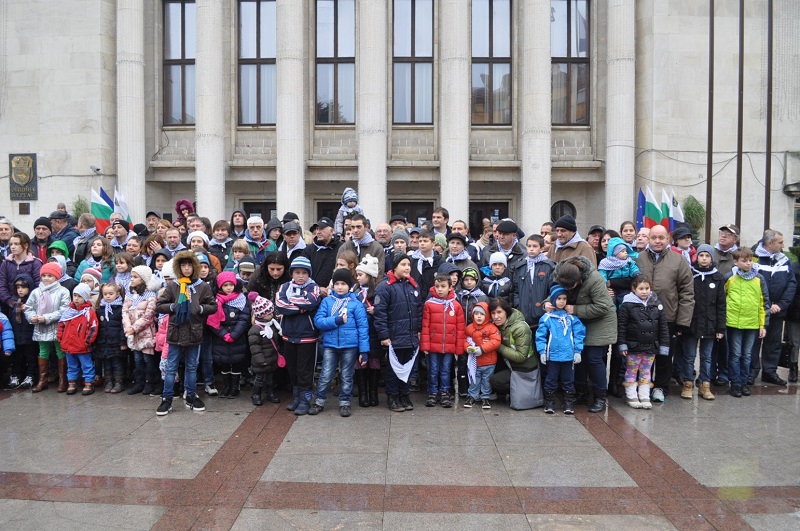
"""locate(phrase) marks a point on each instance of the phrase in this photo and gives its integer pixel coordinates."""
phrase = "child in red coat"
(483, 341)
(443, 336)
(77, 330)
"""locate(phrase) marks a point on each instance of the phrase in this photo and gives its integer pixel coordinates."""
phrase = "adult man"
(397, 222)
(121, 235)
(460, 227)
(642, 239)
(195, 223)
(362, 243)
(776, 269)
(727, 241)
(507, 243)
(547, 228)
(593, 239)
(87, 226)
(670, 277)
(569, 243)
(6, 230)
(61, 229)
(322, 254)
(42, 238)
(293, 245)
(151, 220)
(439, 219)
(383, 235)
(256, 238)
(174, 243)
(114, 217)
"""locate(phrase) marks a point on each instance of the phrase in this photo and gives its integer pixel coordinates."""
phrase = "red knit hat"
(51, 268)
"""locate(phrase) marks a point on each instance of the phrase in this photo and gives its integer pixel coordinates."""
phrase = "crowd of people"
(164, 308)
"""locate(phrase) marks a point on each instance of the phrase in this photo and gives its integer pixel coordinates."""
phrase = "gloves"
(577, 357)
(228, 338)
(543, 359)
(478, 351)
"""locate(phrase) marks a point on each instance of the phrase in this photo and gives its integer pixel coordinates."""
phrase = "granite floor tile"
(355, 467)
(773, 522)
(440, 431)
(36, 515)
(445, 522)
(561, 522)
(319, 434)
(292, 520)
(445, 465)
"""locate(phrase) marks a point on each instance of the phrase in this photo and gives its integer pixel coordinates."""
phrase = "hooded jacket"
(593, 304)
(237, 324)
(59, 298)
(747, 302)
(61, 246)
(234, 235)
(345, 211)
(339, 334)
(560, 336)
(531, 288)
(469, 299)
(23, 330)
(643, 326)
(710, 307)
(141, 317)
(398, 311)
(202, 304)
(77, 334)
(183, 204)
(671, 278)
(517, 344)
(443, 325)
(486, 336)
(259, 250)
(9, 269)
(263, 353)
(7, 334)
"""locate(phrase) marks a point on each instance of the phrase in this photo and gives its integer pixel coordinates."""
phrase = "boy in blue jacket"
(345, 333)
(8, 348)
(559, 340)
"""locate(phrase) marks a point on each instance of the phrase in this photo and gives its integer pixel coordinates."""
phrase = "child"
(24, 358)
(349, 208)
(66, 279)
(468, 296)
(59, 248)
(425, 263)
(439, 243)
(532, 281)
(263, 336)
(559, 341)
(367, 377)
(183, 207)
(642, 333)
(188, 301)
(496, 282)
(239, 250)
(708, 322)
(229, 326)
(9, 350)
(747, 316)
(124, 265)
(111, 345)
(618, 268)
(139, 325)
(451, 270)
(77, 330)
(245, 270)
(296, 303)
(348, 261)
(483, 340)
(43, 310)
(220, 244)
(345, 333)
(91, 277)
(160, 257)
(442, 337)
(682, 243)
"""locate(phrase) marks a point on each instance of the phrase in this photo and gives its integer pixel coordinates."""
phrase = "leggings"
(300, 361)
(45, 347)
(638, 363)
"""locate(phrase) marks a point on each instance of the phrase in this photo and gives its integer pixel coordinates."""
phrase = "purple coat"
(9, 269)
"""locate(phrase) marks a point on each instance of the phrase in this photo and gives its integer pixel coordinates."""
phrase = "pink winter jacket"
(161, 336)
(142, 318)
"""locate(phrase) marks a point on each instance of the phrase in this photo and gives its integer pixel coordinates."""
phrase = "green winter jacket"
(517, 345)
(593, 305)
(747, 302)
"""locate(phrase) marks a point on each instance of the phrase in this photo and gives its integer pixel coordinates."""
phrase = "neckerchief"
(747, 275)
(402, 370)
(71, 312)
(463, 255)
(237, 300)
(123, 279)
(93, 262)
(223, 244)
(774, 257)
(136, 298)
(447, 303)
(612, 263)
(575, 239)
(541, 257)
(718, 248)
(687, 253)
(477, 292)
(697, 272)
(510, 249)
(108, 307)
(417, 255)
(366, 240)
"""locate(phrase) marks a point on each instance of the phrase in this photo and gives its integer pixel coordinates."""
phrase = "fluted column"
(131, 163)
(454, 51)
(291, 115)
(535, 94)
(372, 107)
(210, 166)
(620, 115)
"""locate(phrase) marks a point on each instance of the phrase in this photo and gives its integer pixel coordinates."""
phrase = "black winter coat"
(708, 317)
(323, 260)
(425, 280)
(110, 334)
(236, 323)
(398, 311)
(793, 313)
(642, 328)
(263, 357)
(530, 293)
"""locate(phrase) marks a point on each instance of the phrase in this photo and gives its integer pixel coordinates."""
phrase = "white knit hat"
(197, 234)
(167, 270)
(369, 265)
(146, 274)
(498, 258)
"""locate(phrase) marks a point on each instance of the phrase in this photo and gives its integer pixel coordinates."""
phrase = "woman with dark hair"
(607, 235)
(588, 299)
(270, 275)
(517, 345)
(18, 261)
(627, 231)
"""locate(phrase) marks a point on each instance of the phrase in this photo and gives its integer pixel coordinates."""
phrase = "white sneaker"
(211, 390)
(658, 395)
(27, 383)
(13, 383)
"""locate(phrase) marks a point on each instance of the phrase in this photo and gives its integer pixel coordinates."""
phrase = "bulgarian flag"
(652, 210)
(666, 212)
(102, 208)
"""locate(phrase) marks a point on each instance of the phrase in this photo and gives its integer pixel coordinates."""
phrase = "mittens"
(577, 357)
(228, 338)
(543, 358)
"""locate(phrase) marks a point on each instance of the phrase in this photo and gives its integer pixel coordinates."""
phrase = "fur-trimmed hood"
(583, 264)
(184, 256)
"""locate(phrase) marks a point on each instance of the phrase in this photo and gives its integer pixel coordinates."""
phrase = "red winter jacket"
(443, 325)
(76, 335)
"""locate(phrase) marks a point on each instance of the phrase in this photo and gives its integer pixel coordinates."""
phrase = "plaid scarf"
(747, 275)
(108, 307)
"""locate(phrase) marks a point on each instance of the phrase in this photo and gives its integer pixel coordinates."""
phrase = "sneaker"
(469, 402)
(195, 404)
(211, 390)
(13, 383)
(164, 407)
(658, 395)
(485, 404)
(445, 401)
(344, 411)
(430, 401)
(405, 401)
(549, 408)
(27, 383)
(184, 394)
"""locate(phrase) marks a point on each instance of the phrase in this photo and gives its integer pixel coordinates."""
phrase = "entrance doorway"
(491, 210)
(327, 209)
(266, 209)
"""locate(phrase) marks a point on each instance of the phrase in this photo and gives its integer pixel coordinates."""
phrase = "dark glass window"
(336, 61)
(257, 70)
(413, 62)
(179, 53)
(491, 62)
(569, 48)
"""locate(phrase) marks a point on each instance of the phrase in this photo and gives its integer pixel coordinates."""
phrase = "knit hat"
(398, 257)
(440, 240)
(43, 221)
(555, 291)
(507, 227)
(246, 264)
(349, 195)
(167, 269)
(146, 274)
(470, 272)
(124, 224)
(498, 258)
(95, 274)
(567, 222)
(400, 234)
(342, 275)
(260, 305)
(369, 265)
(226, 276)
(301, 262)
(51, 268)
(84, 291)
(197, 234)
(619, 248)
(705, 248)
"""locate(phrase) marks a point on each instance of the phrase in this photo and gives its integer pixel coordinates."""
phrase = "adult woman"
(627, 231)
(270, 275)
(516, 346)
(607, 235)
(151, 245)
(19, 261)
(100, 257)
(588, 299)
(109, 233)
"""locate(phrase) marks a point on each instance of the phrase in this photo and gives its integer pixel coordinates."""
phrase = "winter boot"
(258, 386)
(42, 384)
(393, 403)
(631, 396)
(372, 380)
(88, 388)
(581, 395)
(644, 396)
(272, 396)
(118, 385)
(109, 384)
(549, 403)
(687, 389)
(72, 388)
(138, 382)
(292, 405)
(569, 403)
(305, 403)
(793, 372)
(225, 392)
(361, 382)
(62, 374)
(235, 380)
(149, 384)
(705, 391)
(598, 406)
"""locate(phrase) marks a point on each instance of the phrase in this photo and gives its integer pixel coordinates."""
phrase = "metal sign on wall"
(23, 184)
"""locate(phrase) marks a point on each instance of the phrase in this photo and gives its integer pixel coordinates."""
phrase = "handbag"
(785, 360)
(526, 389)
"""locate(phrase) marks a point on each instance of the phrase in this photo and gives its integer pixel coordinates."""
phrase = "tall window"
(413, 62)
(179, 52)
(336, 61)
(257, 70)
(491, 62)
(569, 48)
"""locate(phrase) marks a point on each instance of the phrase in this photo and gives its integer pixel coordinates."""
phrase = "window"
(179, 52)
(336, 63)
(491, 62)
(257, 70)
(569, 48)
(413, 62)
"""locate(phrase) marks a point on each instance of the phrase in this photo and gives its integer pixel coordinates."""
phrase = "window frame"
(491, 61)
(569, 61)
(183, 62)
(413, 60)
(258, 62)
(335, 60)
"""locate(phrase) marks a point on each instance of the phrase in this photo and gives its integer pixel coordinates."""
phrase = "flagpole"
(710, 148)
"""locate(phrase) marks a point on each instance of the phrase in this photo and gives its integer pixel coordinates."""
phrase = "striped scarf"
(183, 306)
(747, 275)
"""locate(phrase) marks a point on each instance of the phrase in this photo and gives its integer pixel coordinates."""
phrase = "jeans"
(719, 359)
(439, 365)
(663, 364)
(300, 361)
(565, 370)
(592, 366)
(482, 386)
(690, 343)
(395, 385)
(112, 366)
(207, 360)
(145, 365)
(331, 358)
(740, 344)
(191, 355)
(770, 349)
(77, 363)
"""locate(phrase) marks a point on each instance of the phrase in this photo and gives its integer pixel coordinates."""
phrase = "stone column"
(454, 110)
(210, 166)
(290, 187)
(372, 107)
(620, 115)
(131, 163)
(535, 92)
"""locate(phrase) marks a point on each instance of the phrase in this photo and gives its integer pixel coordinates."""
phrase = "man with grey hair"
(776, 269)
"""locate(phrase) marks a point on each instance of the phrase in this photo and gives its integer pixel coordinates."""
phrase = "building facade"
(521, 108)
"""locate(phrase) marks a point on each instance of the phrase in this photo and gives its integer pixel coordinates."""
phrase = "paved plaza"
(107, 461)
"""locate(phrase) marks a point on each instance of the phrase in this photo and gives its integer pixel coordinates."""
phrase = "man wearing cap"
(727, 242)
(506, 242)
(457, 253)
(322, 254)
(568, 242)
(397, 222)
(62, 230)
(151, 220)
(293, 244)
(87, 226)
(593, 239)
(362, 243)
(42, 238)
(122, 234)
(290, 217)
(682, 243)
(256, 238)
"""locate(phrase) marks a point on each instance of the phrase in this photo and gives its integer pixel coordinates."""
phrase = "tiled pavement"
(107, 461)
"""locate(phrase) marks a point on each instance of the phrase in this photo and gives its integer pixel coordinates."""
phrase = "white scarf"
(575, 239)
(402, 370)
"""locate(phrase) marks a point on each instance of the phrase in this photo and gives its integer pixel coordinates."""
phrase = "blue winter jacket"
(398, 311)
(296, 306)
(560, 335)
(8, 334)
(335, 332)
